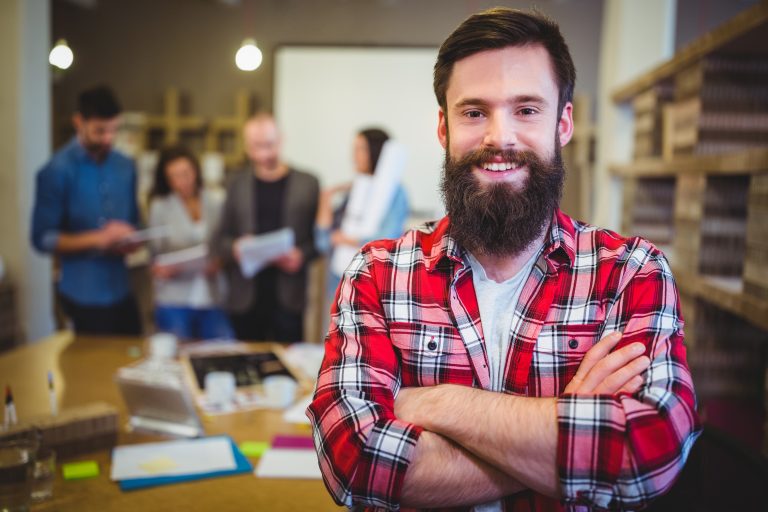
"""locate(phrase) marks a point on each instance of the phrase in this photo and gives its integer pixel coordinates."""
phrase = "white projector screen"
(324, 95)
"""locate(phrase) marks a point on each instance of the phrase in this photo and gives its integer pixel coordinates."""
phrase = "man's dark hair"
(160, 187)
(376, 137)
(498, 28)
(98, 102)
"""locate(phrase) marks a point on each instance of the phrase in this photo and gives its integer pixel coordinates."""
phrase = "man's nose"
(501, 132)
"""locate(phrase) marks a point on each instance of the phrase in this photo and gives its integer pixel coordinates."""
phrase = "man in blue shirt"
(85, 207)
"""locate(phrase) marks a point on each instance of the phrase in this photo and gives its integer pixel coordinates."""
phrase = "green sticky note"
(78, 470)
(253, 448)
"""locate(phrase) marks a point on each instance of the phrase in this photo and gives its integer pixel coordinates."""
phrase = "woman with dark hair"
(186, 291)
(367, 150)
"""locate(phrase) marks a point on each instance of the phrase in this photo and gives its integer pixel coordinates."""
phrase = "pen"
(52, 395)
(10, 408)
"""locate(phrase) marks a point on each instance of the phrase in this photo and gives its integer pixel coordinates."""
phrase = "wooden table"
(84, 370)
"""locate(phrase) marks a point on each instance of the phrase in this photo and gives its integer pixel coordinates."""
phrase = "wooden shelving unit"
(698, 188)
(219, 134)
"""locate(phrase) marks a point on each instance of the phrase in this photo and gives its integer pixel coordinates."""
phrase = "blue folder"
(242, 465)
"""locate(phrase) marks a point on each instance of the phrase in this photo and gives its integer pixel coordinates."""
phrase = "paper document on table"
(192, 259)
(256, 252)
(289, 463)
(183, 457)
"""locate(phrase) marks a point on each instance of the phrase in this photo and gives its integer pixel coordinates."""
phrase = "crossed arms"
(466, 426)
(616, 436)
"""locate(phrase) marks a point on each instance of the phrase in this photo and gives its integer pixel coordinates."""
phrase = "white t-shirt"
(497, 303)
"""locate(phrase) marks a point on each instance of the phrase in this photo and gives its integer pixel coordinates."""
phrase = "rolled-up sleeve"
(621, 451)
(48, 210)
(363, 449)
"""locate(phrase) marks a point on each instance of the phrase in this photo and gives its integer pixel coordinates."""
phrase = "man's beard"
(96, 150)
(497, 219)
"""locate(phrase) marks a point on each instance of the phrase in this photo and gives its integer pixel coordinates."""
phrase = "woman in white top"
(186, 284)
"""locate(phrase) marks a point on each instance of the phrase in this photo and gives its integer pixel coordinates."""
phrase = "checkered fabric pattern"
(406, 314)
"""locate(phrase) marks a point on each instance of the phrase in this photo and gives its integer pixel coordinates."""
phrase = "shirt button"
(432, 345)
(573, 343)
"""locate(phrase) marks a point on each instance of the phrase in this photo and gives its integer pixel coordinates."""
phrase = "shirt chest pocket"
(559, 351)
(430, 354)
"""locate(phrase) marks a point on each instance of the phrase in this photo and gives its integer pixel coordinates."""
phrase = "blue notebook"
(242, 465)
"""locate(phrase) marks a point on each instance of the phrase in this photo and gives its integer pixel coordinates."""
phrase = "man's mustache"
(480, 156)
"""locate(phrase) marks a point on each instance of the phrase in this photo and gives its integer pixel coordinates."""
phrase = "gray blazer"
(238, 219)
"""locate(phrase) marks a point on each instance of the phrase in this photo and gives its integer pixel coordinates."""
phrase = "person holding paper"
(186, 279)
(506, 357)
(266, 197)
(85, 205)
(329, 232)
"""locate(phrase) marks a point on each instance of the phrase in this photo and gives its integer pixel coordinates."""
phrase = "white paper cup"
(162, 346)
(279, 390)
(220, 389)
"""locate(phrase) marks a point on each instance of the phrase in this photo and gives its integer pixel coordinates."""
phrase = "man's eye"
(474, 114)
(527, 111)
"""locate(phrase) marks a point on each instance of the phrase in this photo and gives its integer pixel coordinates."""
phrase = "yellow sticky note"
(160, 464)
(253, 448)
(78, 470)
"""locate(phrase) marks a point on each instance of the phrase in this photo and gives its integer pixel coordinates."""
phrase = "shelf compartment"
(727, 293)
(728, 358)
(756, 260)
(723, 226)
(649, 208)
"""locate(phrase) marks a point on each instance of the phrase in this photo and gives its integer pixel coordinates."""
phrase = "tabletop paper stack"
(150, 464)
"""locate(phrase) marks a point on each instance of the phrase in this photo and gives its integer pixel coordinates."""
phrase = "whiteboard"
(324, 95)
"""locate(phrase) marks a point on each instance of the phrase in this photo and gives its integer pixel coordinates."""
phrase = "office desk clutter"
(87, 369)
(243, 376)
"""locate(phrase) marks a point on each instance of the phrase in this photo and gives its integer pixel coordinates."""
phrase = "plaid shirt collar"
(559, 244)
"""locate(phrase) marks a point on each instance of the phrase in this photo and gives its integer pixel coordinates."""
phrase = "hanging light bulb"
(61, 56)
(248, 57)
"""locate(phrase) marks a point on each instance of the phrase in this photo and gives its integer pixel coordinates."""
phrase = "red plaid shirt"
(406, 314)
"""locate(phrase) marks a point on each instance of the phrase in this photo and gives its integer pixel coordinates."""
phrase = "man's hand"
(212, 267)
(291, 261)
(605, 372)
(163, 271)
(236, 247)
(111, 237)
(339, 238)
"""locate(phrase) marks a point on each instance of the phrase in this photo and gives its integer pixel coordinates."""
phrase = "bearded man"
(85, 207)
(507, 357)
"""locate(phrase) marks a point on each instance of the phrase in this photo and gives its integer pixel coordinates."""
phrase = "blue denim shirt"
(74, 193)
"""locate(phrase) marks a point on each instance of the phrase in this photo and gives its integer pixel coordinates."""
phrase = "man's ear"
(77, 121)
(442, 129)
(565, 125)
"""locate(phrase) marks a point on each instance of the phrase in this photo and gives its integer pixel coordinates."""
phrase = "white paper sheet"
(297, 412)
(183, 457)
(369, 201)
(145, 235)
(289, 463)
(256, 252)
(192, 259)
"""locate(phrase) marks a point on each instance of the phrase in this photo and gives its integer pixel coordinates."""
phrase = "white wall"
(325, 95)
(25, 140)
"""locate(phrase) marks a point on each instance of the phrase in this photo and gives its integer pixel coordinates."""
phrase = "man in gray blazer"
(265, 196)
